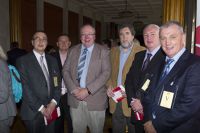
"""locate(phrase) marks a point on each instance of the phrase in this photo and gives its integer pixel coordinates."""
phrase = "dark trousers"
(37, 125)
(65, 113)
(119, 121)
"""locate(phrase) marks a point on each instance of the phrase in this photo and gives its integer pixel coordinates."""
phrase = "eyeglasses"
(83, 35)
(40, 39)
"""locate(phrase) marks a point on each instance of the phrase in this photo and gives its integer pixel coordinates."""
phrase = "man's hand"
(50, 108)
(123, 93)
(45, 113)
(149, 128)
(81, 93)
(110, 92)
(136, 105)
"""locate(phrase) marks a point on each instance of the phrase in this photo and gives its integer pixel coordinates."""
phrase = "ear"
(184, 39)
(32, 42)
(70, 43)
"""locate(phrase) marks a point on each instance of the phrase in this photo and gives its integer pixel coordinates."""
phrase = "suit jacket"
(183, 81)
(97, 76)
(7, 103)
(35, 90)
(57, 56)
(115, 60)
(136, 77)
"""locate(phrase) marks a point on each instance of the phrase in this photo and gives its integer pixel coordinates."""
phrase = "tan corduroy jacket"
(115, 56)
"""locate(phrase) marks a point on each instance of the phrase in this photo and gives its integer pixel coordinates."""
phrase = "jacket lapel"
(95, 55)
(178, 67)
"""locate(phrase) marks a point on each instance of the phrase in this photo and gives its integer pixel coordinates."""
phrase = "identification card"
(55, 81)
(145, 85)
(167, 99)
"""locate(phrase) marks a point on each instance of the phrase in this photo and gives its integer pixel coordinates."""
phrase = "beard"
(126, 45)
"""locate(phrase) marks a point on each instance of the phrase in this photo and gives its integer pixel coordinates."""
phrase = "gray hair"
(152, 26)
(170, 23)
(2, 54)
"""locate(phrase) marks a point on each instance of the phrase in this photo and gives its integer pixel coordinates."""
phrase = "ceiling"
(147, 11)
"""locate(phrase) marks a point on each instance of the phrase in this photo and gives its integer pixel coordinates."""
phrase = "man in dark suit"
(63, 45)
(171, 104)
(85, 73)
(140, 70)
(41, 86)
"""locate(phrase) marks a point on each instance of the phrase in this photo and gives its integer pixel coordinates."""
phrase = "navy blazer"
(135, 77)
(184, 81)
(35, 91)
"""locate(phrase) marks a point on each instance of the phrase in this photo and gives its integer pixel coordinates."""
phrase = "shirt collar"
(89, 49)
(38, 55)
(153, 52)
(177, 56)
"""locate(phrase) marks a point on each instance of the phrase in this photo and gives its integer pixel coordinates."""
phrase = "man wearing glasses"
(85, 73)
(41, 86)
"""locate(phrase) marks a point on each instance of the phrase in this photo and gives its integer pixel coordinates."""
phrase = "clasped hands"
(80, 93)
(47, 111)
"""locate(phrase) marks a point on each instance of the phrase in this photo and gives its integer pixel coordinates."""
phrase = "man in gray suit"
(85, 73)
(7, 104)
(41, 86)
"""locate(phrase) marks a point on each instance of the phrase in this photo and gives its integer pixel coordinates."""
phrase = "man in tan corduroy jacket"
(121, 60)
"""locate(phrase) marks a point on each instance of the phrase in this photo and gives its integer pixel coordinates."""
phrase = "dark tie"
(166, 68)
(46, 74)
(81, 63)
(146, 62)
(164, 74)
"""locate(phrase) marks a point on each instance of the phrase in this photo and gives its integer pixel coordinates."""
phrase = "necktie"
(146, 62)
(164, 74)
(46, 74)
(81, 63)
(166, 68)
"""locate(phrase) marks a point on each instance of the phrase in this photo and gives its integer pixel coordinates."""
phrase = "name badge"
(167, 99)
(55, 81)
(145, 85)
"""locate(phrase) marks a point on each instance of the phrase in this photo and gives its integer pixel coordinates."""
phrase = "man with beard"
(121, 60)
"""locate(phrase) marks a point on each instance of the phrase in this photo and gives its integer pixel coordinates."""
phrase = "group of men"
(161, 83)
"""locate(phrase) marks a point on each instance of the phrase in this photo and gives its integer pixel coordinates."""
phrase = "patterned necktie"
(146, 62)
(45, 72)
(166, 68)
(81, 63)
(164, 74)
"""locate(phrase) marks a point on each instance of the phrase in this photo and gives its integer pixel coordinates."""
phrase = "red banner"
(197, 42)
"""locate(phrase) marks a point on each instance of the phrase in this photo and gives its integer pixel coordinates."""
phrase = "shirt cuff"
(42, 106)
(54, 101)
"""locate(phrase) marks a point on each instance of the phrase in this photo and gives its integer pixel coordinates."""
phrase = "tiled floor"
(18, 126)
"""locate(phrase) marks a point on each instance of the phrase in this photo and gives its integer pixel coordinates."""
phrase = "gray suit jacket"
(97, 76)
(35, 91)
(7, 103)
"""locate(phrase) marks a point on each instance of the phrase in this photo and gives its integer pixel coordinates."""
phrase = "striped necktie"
(81, 63)
(166, 68)
(146, 62)
(45, 72)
